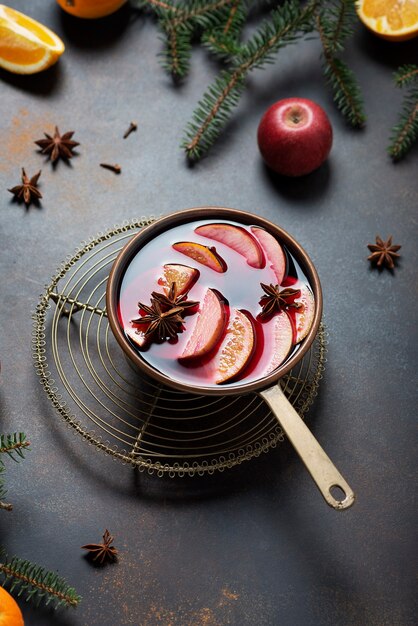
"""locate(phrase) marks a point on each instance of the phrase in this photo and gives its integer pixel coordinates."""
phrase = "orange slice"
(183, 275)
(10, 614)
(395, 20)
(26, 46)
(236, 349)
(202, 254)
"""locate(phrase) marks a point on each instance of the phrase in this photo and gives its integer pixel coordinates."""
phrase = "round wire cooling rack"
(100, 394)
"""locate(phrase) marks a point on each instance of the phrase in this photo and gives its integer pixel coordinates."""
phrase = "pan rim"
(192, 214)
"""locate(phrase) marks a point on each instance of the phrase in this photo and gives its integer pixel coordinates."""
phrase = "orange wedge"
(26, 46)
(202, 254)
(90, 9)
(395, 20)
(183, 275)
(236, 349)
(10, 614)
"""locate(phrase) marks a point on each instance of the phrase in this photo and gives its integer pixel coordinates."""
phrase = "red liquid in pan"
(239, 286)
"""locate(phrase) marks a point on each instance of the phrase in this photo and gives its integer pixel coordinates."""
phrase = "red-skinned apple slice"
(279, 330)
(236, 349)
(303, 317)
(208, 327)
(273, 251)
(202, 254)
(183, 275)
(236, 238)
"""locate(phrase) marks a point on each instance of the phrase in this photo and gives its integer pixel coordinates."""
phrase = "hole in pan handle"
(316, 461)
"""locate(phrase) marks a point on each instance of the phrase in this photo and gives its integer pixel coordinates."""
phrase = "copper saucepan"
(319, 465)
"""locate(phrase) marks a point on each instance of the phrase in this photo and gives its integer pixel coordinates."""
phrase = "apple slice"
(237, 238)
(208, 327)
(136, 336)
(183, 275)
(273, 251)
(303, 317)
(202, 254)
(279, 334)
(236, 349)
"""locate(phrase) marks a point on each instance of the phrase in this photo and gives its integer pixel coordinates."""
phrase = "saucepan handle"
(319, 465)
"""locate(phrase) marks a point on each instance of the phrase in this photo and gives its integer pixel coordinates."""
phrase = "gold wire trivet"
(133, 419)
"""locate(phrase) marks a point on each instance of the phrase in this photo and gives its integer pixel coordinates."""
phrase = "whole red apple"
(294, 136)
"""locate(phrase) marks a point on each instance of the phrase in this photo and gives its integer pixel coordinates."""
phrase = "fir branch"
(334, 26)
(283, 27)
(346, 92)
(338, 18)
(14, 445)
(405, 132)
(223, 47)
(223, 40)
(201, 12)
(232, 17)
(405, 75)
(37, 583)
(181, 22)
(177, 50)
(156, 5)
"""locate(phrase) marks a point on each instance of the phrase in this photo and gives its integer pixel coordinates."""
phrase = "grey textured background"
(256, 545)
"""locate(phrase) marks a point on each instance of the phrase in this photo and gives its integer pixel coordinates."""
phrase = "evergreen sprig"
(155, 5)
(334, 23)
(14, 446)
(284, 26)
(175, 58)
(180, 23)
(224, 39)
(36, 583)
(219, 25)
(405, 133)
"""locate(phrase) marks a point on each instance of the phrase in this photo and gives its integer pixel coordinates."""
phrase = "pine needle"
(405, 132)
(36, 583)
(284, 26)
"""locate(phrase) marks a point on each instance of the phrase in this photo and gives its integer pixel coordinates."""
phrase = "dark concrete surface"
(256, 545)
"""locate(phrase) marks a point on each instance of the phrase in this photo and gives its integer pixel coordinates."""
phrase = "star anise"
(58, 146)
(28, 190)
(276, 300)
(172, 299)
(164, 324)
(383, 252)
(102, 551)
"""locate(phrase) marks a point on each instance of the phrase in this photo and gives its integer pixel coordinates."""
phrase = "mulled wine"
(215, 302)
